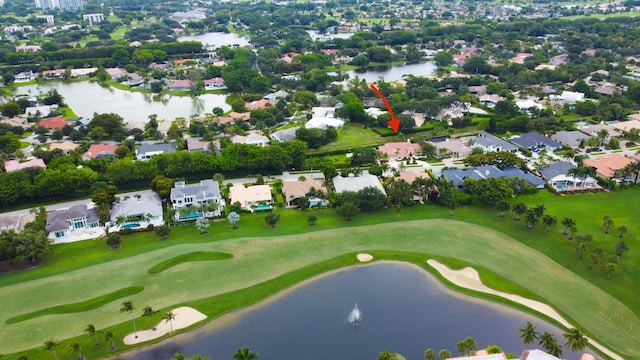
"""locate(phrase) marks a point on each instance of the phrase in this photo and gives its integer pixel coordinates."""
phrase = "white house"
(252, 138)
(146, 151)
(216, 83)
(190, 195)
(138, 211)
(322, 118)
(357, 183)
(255, 197)
(75, 223)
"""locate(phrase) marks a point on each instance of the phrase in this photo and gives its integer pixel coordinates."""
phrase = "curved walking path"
(259, 259)
(469, 278)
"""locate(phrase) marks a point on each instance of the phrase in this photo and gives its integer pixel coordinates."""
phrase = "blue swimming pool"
(261, 207)
(562, 187)
(191, 215)
(130, 226)
(317, 202)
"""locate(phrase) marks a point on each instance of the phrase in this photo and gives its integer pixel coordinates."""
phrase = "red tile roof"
(96, 150)
(54, 123)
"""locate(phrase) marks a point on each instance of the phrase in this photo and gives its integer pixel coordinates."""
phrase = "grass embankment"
(79, 306)
(188, 257)
(266, 261)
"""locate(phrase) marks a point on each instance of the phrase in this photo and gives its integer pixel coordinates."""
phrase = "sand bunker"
(184, 317)
(470, 279)
(364, 257)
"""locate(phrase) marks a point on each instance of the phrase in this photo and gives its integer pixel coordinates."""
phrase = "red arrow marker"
(393, 123)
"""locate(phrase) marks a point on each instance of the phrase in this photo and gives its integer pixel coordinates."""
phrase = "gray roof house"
(570, 138)
(557, 175)
(285, 135)
(63, 223)
(357, 183)
(146, 151)
(189, 195)
(138, 211)
(274, 97)
(532, 140)
(457, 176)
(490, 143)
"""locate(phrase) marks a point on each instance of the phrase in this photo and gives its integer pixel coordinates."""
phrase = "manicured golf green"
(264, 261)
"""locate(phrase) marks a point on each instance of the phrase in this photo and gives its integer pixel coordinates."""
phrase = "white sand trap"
(185, 316)
(364, 257)
(470, 279)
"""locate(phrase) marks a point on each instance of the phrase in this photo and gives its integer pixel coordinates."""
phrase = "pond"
(316, 36)
(86, 98)
(392, 73)
(217, 39)
(403, 309)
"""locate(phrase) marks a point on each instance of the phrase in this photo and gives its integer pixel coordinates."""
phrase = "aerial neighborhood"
(226, 151)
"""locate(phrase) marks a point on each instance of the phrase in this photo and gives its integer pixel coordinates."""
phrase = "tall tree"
(92, 332)
(245, 354)
(528, 333)
(77, 349)
(429, 354)
(549, 221)
(444, 354)
(568, 223)
(502, 206)
(169, 316)
(127, 306)
(576, 340)
(52, 345)
(621, 247)
(148, 311)
(110, 338)
(607, 223)
(519, 209)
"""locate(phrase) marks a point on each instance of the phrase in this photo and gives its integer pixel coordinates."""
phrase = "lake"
(392, 73)
(315, 35)
(86, 97)
(217, 39)
(404, 309)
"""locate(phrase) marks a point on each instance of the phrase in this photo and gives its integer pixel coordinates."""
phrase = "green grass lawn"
(536, 264)
(353, 136)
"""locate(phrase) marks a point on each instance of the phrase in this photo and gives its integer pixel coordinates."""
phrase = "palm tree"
(178, 356)
(532, 219)
(127, 306)
(51, 345)
(607, 223)
(430, 354)
(582, 249)
(76, 348)
(545, 340)
(245, 354)
(169, 317)
(622, 230)
(539, 210)
(444, 354)
(109, 337)
(610, 268)
(621, 248)
(549, 221)
(568, 223)
(502, 206)
(149, 311)
(91, 331)
(555, 349)
(519, 209)
(576, 340)
(528, 334)
(602, 135)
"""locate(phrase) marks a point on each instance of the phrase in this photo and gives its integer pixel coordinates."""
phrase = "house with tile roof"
(99, 151)
(609, 166)
(251, 198)
(571, 138)
(55, 123)
(15, 165)
(398, 150)
(216, 83)
(292, 191)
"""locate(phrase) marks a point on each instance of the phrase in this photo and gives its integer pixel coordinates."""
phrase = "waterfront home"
(26, 76)
(194, 195)
(180, 85)
(214, 84)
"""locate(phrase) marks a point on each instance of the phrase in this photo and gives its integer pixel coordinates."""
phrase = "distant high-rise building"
(59, 4)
